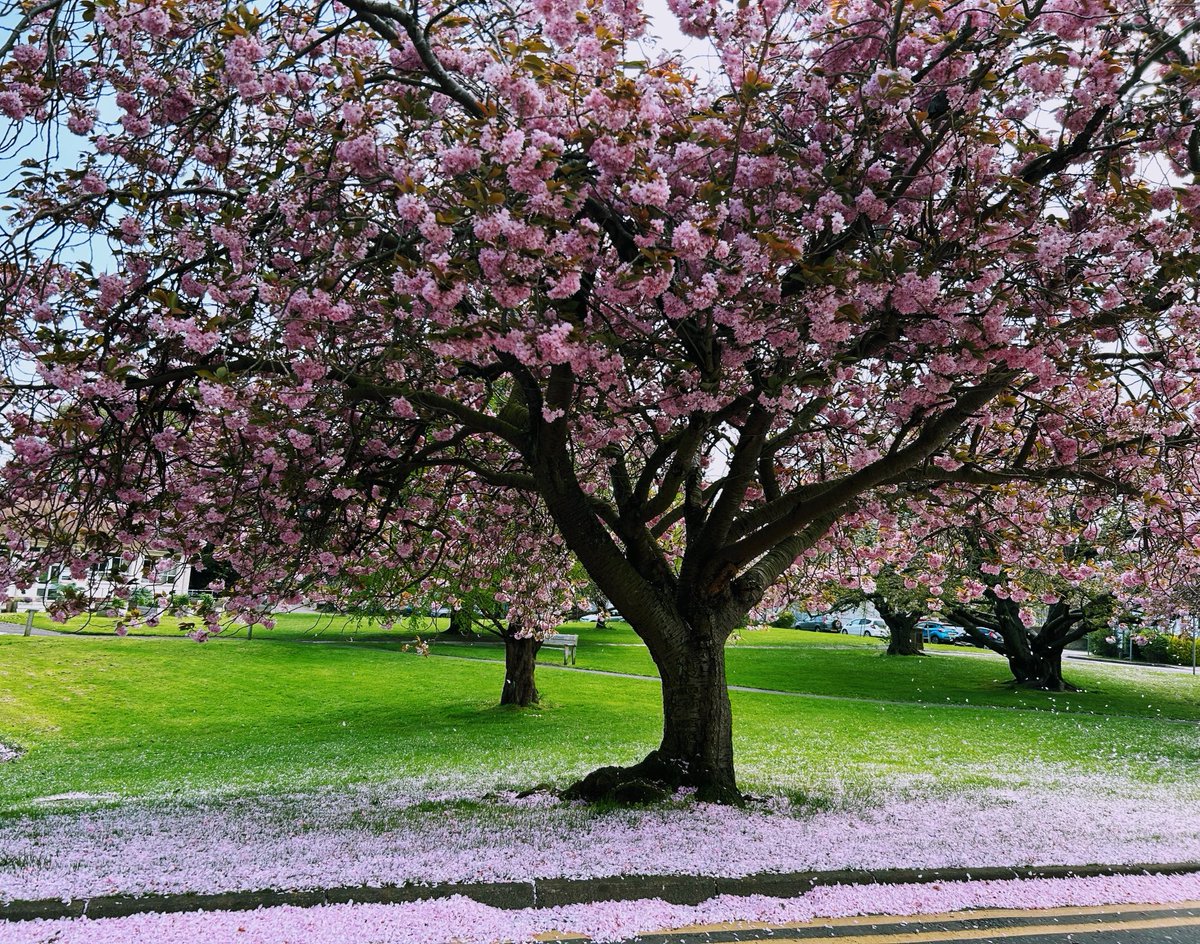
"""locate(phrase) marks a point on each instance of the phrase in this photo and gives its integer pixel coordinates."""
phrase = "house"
(143, 573)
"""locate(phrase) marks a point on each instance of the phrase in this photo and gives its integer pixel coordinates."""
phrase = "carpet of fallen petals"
(468, 922)
(378, 835)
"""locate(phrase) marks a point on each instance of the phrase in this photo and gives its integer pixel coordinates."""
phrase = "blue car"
(947, 635)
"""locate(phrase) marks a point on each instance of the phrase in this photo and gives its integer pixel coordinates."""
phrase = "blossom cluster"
(523, 258)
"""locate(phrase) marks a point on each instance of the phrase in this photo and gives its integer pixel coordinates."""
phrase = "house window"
(111, 569)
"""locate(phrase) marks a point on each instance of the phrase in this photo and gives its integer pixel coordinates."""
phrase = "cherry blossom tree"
(998, 603)
(290, 281)
(499, 566)
(1034, 652)
(900, 603)
(515, 581)
(1025, 574)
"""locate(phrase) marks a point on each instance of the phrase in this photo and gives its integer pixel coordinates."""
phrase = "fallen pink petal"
(468, 922)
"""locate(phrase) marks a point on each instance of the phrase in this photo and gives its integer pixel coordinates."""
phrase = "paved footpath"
(1177, 923)
(18, 629)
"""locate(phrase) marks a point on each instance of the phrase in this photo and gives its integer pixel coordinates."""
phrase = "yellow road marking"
(982, 914)
(993, 934)
(972, 915)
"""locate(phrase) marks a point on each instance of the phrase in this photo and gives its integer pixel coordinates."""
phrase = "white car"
(595, 617)
(867, 626)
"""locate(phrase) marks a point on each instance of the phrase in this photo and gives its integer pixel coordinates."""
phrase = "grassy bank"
(139, 717)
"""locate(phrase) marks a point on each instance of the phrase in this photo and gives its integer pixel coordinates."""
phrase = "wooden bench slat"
(564, 641)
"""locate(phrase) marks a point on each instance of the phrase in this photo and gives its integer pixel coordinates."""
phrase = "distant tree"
(506, 575)
(900, 601)
(1034, 650)
(901, 604)
(1037, 583)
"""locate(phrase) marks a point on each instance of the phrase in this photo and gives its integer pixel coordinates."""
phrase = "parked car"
(991, 634)
(945, 633)
(819, 623)
(595, 617)
(867, 626)
(439, 611)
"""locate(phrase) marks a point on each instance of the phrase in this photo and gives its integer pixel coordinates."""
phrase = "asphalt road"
(1126, 924)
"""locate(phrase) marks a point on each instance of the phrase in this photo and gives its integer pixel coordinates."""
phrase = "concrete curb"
(546, 893)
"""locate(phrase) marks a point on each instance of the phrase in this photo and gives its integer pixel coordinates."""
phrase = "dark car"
(819, 623)
(992, 636)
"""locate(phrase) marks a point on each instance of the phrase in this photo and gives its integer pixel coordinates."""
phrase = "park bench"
(564, 641)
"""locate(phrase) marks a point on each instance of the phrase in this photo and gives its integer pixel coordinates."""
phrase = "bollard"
(28, 623)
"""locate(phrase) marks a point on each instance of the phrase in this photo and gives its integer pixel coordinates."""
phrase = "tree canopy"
(292, 281)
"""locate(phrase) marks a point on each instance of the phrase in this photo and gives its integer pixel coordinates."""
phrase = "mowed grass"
(151, 717)
(287, 626)
(856, 667)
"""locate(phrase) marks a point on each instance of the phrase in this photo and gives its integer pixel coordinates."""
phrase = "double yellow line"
(1051, 922)
(1056, 929)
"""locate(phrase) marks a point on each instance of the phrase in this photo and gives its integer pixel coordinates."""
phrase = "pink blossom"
(11, 105)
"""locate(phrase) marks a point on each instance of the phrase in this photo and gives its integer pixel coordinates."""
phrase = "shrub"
(1174, 650)
(1157, 648)
(785, 620)
(1148, 646)
(1099, 644)
(141, 597)
(1181, 647)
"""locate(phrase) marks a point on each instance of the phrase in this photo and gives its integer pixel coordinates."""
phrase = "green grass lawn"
(287, 626)
(148, 717)
(855, 667)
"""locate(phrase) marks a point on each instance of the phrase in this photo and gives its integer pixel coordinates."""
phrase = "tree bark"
(905, 641)
(906, 638)
(520, 660)
(697, 743)
(698, 722)
(1042, 670)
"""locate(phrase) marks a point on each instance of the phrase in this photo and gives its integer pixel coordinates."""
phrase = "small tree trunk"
(520, 660)
(697, 743)
(460, 623)
(906, 638)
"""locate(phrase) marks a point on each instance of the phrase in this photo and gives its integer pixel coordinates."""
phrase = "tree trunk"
(906, 641)
(460, 623)
(1041, 670)
(520, 660)
(697, 743)
(698, 723)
